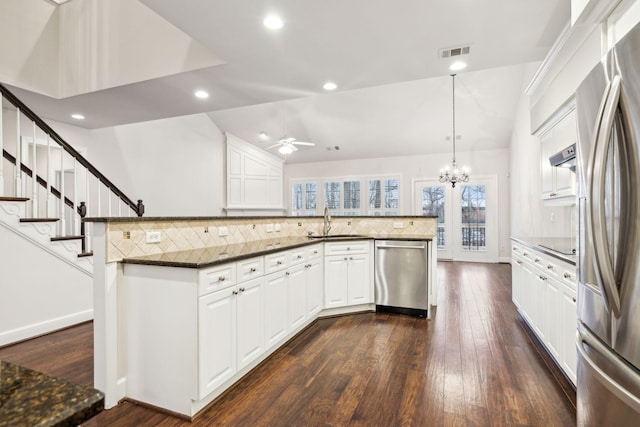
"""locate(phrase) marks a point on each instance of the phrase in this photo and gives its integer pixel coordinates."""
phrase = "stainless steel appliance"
(402, 276)
(608, 107)
(565, 158)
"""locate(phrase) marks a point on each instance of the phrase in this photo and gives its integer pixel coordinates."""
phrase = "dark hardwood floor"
(472, 364)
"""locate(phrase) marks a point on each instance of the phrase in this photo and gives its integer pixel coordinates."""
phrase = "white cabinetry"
(558, 183)
(544, 291)
(254, 177)
(348, 275)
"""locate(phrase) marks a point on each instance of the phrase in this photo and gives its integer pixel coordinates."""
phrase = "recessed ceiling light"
(458, 65)
(330, 86)
(273, 22)
(201, 94)
(263, 135)
(77, 116)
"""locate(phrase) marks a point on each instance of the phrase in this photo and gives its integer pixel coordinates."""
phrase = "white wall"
(494, 162)
(176, 166)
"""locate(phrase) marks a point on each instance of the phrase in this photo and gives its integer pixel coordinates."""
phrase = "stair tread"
(39, 219)
(14, 199)
(85, 254)
(59, 238)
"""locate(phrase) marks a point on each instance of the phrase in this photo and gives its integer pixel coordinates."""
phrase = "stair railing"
(60, 183)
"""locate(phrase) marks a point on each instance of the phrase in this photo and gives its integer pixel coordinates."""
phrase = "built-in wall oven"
(402, 276)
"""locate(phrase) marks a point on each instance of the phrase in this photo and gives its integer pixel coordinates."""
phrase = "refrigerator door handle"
(585, 337)
(603, 264)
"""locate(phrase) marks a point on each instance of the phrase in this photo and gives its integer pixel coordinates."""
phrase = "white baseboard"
(42, 328)
(505, 260)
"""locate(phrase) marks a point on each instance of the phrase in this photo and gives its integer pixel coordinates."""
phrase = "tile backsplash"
(127, 239)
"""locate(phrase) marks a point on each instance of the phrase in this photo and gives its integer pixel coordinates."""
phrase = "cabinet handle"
(241, 289)
(573, 299)
(252, 269)
(519, 262)
(279, 262)
(566, 275)
(287, 273)
(345, 258)
(542, 278)
(537, 260)
(315, 252)
(351, 258)
(553, 194)
(235, 292)
(221, 279)
(299, 256)
(348, 249)
(549, 267)
(525, 254)
(308, 266)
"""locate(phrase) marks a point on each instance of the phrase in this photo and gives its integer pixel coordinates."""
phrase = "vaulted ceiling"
(394, 92)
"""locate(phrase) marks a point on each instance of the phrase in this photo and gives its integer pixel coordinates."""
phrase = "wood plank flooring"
(472, 364)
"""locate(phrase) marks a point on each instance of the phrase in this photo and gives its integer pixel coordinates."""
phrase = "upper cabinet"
(557, 183)
(254, 179)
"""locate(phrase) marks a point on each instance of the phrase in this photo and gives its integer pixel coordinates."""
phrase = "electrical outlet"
(398, 225)
(154, 236)
(206, 229)
(126, 235)
(276, 228)
(269, 228)
(223, 231)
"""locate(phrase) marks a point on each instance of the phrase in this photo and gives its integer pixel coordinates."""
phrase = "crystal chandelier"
(453, 174)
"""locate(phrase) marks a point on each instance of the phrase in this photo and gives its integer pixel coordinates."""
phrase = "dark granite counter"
(558, 247)
(31, 398)
(208, 257)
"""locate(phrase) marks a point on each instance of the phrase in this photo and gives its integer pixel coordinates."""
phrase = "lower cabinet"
(276, 318)
(348, 274)
(544, 291)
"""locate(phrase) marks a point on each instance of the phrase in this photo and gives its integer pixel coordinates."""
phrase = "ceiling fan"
(287, 145)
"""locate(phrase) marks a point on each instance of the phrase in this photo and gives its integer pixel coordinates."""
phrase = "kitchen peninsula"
(178, 300)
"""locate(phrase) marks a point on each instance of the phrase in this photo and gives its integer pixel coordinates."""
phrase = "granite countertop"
(208, 257)
(30, 398)
(562, 248)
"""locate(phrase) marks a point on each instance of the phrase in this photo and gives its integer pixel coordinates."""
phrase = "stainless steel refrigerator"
(608, 107)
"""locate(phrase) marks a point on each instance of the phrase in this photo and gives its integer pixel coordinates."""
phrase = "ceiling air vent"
(454, 51)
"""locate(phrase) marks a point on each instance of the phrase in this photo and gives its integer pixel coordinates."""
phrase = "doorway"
(467, 217)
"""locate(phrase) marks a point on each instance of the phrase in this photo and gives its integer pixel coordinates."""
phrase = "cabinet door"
(217, 334)
(250, 321)
(297, 285)
(516, 282)
(528, 287)
(275, 299)
(554, 329)
(359, 279)
(547, 172)
(335, 270)
(537, 309)
(315, 287)
(569, 321)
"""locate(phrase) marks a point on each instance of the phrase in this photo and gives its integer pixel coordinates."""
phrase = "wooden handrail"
(138, 207)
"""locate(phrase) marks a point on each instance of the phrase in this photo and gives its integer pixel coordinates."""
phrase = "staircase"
(47, 187)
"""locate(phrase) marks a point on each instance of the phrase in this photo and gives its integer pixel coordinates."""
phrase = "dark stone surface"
(31, 398)
(207, 257)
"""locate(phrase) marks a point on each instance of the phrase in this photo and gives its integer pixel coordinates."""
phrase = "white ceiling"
(394, 93)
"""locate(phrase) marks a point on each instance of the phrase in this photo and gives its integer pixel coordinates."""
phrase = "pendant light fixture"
(453, 175)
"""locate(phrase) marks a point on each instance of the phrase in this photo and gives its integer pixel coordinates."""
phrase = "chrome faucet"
(327, 222)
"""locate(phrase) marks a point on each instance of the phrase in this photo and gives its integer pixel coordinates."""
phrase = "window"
(344, 196)
(383, 190)
(432, 205)
(473, 210)
(303, 199)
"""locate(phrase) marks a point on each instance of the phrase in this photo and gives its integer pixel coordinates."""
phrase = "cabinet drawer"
(341, 248)
(314, 251)
(295, 256)
(250, 268)
(569, 277)
(216, 278)
(552, 268)
(275, 262)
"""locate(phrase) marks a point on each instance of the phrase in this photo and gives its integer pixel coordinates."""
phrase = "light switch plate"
(223, 231)
(276, 228)
(398, 225)
(154, 236)
(269, 228)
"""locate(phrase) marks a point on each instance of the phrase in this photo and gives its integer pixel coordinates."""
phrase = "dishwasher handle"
(422, 247)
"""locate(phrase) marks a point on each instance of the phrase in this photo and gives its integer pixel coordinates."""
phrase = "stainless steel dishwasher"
(402, 276)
